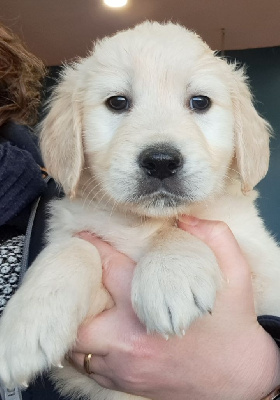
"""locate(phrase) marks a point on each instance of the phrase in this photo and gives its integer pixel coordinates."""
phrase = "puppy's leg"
(175, 283)
(40, 322)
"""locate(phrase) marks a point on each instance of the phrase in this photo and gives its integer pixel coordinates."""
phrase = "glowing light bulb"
(115, 3)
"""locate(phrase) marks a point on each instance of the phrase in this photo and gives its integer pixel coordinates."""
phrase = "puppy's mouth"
(159, 199)
(160, 167)
(161, 183)
(160, 194)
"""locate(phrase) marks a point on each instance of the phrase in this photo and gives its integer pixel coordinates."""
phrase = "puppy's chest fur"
(135, 236)
(128, 233)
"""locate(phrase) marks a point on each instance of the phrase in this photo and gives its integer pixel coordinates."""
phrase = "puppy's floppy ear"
(251, 135)
(61, 133)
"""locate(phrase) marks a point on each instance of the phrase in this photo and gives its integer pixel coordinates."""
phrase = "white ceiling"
(59, 30)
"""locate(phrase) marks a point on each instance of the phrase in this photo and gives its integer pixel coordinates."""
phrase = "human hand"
(223, 355)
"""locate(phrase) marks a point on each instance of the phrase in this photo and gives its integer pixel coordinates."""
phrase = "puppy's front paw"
(168, 293)
(31, 341)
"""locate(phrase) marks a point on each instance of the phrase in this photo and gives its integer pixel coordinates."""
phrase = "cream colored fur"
(92, 152)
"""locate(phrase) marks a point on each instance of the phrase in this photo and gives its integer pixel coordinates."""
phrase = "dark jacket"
(23, 192)
(21, 180)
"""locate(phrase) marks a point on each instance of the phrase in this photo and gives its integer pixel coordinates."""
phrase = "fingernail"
(84, 234)
(188, 220)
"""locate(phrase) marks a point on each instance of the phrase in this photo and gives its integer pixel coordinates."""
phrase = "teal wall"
(263, 69)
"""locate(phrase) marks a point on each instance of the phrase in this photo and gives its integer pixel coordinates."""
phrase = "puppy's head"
(156, 121)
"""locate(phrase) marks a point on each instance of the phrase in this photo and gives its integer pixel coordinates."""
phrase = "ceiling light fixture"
(115, 3)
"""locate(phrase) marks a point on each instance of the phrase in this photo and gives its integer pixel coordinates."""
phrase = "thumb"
(117, 268)
(218, 236)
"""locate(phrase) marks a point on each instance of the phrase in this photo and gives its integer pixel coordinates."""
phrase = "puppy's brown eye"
(200, 103)
(118, 103)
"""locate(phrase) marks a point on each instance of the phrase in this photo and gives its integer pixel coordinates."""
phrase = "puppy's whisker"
(89, 181)
(93, 188)
(93, 198)
(235, 171)
(102, 197)
(115, 203)
(89, 193)
(96, 200)
(230, 178)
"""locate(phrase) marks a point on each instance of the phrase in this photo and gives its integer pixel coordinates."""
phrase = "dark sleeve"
(20, 181)
(23, 137)
(271, 324)
(41, 389)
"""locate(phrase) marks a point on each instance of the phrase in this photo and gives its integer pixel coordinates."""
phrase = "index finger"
(218, 236)
(231, 260)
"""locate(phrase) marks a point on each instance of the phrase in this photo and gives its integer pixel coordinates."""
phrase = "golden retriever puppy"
(149, 126)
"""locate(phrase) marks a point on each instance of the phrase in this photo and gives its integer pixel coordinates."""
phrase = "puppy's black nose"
(161, 162)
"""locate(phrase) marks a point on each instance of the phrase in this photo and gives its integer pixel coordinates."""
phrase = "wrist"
(268, 380)
(258, 375)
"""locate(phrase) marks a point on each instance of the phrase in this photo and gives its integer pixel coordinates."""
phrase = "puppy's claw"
(24, 384)
(59, 365)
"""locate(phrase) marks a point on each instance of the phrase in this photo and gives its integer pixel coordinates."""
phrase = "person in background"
(21, 181)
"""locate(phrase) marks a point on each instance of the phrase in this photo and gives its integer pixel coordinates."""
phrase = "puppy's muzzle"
(160, 162)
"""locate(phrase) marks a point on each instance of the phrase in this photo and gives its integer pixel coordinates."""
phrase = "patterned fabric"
(10, 265)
